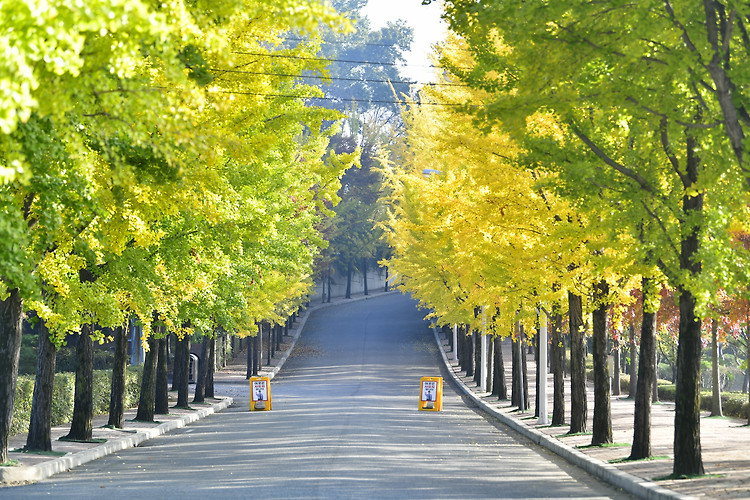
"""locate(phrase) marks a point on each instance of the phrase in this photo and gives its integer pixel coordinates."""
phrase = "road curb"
(605, 471)
(33, 473)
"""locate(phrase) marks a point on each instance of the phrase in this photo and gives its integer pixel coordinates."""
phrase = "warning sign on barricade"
(431, 393)
(260, 394)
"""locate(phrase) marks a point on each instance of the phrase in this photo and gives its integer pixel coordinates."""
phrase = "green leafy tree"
(108, 144)
(630, 91)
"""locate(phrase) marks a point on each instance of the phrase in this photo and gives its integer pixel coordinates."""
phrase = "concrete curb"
(605, 471)
(32, 473)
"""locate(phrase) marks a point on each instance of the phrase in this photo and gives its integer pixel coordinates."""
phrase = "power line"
(326, 98)
(344, 42)
(347, 61)
(338, 78)
(357, 44)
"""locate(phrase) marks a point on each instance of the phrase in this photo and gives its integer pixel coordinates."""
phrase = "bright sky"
(428, 29)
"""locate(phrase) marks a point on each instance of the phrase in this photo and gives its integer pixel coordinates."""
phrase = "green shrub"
(66, 359)
(667, 392)
(624, 383)
(22, 408)
(27, 358)
(101, 388)
(132, 386)
(64, 392)
(735, 404)
(624, 380)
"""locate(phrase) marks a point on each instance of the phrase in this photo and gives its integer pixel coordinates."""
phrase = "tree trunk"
(633, 366)
(268, 345)
(469, 353)
(687, 444)
(256, 352)
(578, 404)
(40, 426)
(183, 351)
(250, 358)
(117, 389)
(161, 405)
(349, 280)
(489, 363)
(602, 423)
(461, 347)
(515, 370)
(646, 380)
(524, 370)
(200, 384)
(209, 390)
(499, 385)
(177, 366)
(617, 353)
(537, 370)
(147, 400)
(272, 336)
(457, 344)
(259, 348)
(81, 427)
(687, 433)
(519, 381)
(558, 368)
(655, 386)
(715, 380)
(448, 332)
(477, 346)
(364, 275)
(385, 288)
(11, 316)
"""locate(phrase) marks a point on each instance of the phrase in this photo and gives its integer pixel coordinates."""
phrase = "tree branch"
(667, 147)
(30, 221)
(663, 227)
(627, 172)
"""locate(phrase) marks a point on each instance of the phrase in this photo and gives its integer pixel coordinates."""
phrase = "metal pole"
(522, 400)
(542, 382)
(483, 357)
(455, 342)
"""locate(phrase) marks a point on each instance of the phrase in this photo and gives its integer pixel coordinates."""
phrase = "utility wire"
(326, 98)
(339, 78)
(355, 43)
(347, 61)
(344, 42)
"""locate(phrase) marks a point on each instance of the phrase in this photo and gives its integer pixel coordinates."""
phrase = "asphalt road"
(344, 424)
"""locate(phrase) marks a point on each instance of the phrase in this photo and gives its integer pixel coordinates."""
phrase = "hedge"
(63, 392)
(733, 404)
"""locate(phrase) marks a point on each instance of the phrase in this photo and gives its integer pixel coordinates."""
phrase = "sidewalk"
(725, 442)
(229, 382)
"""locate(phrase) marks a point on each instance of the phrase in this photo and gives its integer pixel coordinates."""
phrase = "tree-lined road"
(344, 424)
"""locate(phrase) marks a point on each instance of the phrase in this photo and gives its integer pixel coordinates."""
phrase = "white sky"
(428, 29)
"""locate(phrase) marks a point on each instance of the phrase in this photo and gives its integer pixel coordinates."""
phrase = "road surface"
(344, 424)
